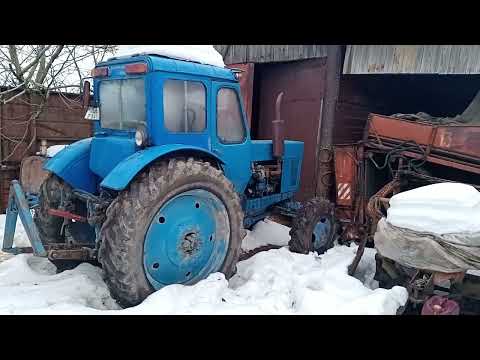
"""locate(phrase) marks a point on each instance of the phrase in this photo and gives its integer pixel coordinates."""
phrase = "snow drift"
(266, 232)
(271, 282)
(204, 54)
(438, 208)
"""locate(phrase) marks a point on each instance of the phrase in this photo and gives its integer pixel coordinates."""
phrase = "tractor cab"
(147, 101)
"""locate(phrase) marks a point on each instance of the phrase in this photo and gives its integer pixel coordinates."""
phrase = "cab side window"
(230, 129)
(184, 107)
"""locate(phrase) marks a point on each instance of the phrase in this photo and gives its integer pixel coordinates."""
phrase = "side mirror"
(86, 95)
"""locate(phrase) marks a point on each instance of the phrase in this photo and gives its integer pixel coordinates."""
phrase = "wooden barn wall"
(61, 122)
(303, 85)
(233, 54)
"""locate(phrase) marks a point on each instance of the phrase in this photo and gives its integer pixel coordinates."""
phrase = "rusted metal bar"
(373, 209)
(82, 254)
(458, 140)
(434, 152)
(446, 162)
(250, 253)
(332, 85)
(67, 215)
(64, 251)
(436, 159)
(432, 179)
(374, 213)
(358, 256)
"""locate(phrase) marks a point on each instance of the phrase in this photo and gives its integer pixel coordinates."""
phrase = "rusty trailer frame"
(358, 206)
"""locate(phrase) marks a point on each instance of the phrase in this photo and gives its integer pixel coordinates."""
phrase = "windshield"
(122, 104)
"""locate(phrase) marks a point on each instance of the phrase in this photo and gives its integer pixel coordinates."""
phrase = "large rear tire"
(314, 227)
(50, 196)
(51, 193)
(127, 243)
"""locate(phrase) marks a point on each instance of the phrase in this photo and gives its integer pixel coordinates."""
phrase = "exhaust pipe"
(278, 129)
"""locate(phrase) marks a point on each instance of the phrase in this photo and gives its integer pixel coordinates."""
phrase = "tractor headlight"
(141, 137)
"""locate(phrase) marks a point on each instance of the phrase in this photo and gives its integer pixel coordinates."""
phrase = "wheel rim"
(321, 233)
(187, 239)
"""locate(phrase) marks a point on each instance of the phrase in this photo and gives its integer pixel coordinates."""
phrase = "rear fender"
(122, 174)
(72, 165)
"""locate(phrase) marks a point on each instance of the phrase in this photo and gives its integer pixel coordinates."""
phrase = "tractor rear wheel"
(178, 221)
(314, 227)
(50, 196)
(52, 191)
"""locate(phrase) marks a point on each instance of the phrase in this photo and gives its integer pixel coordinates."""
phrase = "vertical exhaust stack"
(278, 129)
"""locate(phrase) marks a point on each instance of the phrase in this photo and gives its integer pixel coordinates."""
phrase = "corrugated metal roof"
(412, 59)
(234, 54)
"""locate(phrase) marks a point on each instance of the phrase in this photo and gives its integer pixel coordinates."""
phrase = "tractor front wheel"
(179, 221)
(314, 227)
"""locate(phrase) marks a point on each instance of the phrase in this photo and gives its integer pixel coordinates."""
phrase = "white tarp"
(434, 227)
(446, 253)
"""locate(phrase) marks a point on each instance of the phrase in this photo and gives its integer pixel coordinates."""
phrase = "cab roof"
(162, 63)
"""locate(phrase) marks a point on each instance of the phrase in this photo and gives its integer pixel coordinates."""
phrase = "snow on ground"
(266, 232)
(30, 285)
(205, 54)
(438, 208)
(271, 282)
(280, 282)
(20, 239)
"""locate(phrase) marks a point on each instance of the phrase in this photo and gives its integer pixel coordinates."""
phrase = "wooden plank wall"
(269, 53)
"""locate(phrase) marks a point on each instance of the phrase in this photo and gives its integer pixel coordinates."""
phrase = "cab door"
(230, 137)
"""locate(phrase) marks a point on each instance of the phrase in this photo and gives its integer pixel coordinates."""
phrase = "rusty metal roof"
(412, 59)
(234, 54)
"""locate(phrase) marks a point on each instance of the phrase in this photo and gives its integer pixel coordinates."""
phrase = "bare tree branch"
(14, 61)
(28, 73)
(41, 66)
(55, 55)
(14, 96)
(36, 60)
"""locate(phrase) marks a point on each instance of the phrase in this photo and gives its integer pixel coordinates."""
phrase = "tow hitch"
(21, 204)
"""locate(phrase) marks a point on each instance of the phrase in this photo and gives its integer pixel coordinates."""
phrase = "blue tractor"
(162, 192)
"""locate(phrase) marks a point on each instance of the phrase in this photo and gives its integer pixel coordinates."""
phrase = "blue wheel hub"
(187, 239)
(321, 233)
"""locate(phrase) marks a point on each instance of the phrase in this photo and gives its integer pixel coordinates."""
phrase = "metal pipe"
(332, 85)
(278, 129)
